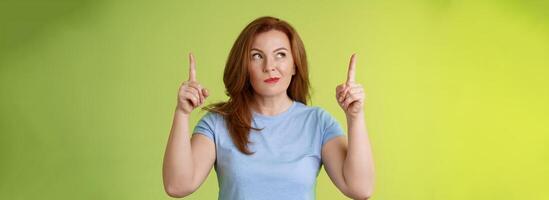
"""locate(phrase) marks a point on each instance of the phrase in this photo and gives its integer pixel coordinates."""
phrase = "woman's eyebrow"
(281, 48)
(256, 50)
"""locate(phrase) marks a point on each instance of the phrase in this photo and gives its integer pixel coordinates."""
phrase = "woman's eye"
(256, 56)
(281, 55)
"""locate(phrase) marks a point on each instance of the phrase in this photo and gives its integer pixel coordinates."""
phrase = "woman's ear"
(293, 70)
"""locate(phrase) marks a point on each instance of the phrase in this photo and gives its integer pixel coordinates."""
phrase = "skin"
(271, 57)
(347, 160)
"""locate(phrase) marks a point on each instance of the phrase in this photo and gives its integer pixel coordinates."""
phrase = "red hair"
(236, 111)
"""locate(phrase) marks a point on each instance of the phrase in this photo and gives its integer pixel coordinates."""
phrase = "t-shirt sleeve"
(331, 126)
(206, 126)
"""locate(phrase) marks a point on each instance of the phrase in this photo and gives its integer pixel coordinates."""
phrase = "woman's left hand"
(350, 95)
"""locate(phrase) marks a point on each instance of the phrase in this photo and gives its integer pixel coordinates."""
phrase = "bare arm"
(187, 162)
(350, 163)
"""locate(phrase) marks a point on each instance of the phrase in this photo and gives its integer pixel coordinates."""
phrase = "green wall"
(457, 91)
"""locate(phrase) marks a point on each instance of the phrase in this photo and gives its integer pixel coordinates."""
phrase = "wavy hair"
(236, 110)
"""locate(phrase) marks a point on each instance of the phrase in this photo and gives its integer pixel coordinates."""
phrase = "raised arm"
(349, 163)
(187, 162)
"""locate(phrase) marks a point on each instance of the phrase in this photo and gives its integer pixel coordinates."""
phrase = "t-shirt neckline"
(272, 117)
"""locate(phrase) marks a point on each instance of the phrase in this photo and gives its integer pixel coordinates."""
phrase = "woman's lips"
(271, 80)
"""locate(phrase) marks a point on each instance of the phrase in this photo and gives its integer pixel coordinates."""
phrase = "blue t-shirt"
(287, 156)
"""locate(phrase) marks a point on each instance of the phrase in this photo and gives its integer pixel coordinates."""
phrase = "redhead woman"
(265, 142)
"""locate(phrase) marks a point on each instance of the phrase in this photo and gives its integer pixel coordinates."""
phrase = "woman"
(264, 142)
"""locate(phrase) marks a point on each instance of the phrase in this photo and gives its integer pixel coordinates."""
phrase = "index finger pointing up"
(351, 72)
(192, 68)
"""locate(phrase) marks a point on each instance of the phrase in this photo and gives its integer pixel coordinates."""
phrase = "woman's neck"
(271, 105)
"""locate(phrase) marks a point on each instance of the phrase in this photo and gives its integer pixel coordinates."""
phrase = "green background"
(457, 91)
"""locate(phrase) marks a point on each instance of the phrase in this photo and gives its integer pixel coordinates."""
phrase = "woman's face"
(271, 58)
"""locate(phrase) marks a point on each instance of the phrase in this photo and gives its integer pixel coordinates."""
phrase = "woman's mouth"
(271, 80)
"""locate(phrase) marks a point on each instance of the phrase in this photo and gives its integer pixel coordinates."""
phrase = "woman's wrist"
(355, 116)
(179, 111)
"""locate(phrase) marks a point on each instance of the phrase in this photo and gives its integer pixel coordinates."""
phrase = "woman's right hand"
(191, 94)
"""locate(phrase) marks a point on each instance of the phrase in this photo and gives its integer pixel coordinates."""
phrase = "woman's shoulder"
(319, 116)
(210, 116)
(312, 110)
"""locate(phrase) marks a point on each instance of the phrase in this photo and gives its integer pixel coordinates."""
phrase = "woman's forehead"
(271, 40)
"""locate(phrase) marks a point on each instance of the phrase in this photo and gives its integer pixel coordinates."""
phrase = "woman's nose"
(267, 69)
(269, 66)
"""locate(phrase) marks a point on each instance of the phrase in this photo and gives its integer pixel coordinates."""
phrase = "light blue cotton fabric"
(287, 156)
